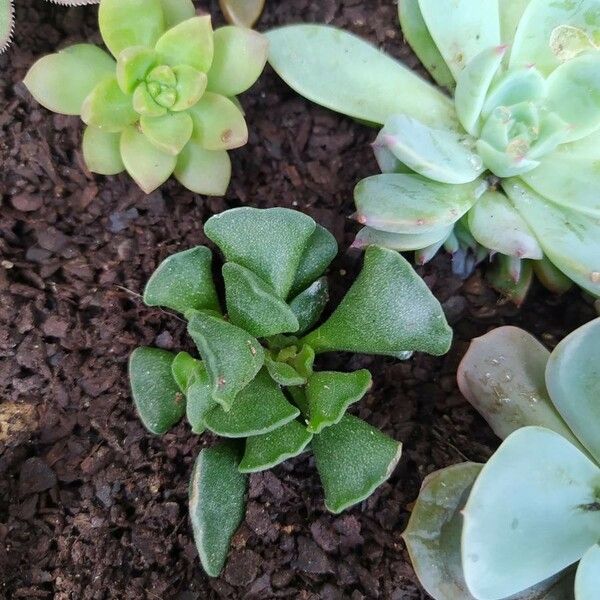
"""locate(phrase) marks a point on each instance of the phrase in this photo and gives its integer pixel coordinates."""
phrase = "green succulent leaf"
(191, 85)
(176, 11)
(216, 504)
(108, 108)
(203, 171)
(199, 401)
(511, 276)
(169, 133)
(309, 304)
(101, 151)
(403, 242)
(242, 12)
(330, 393)
(303, 361)
(503, 164)
(525, 84)
(186, 370)
(183, 282)
(61, 82)
(283, 373)
(232, 356)
(361, 81)
(259, 408)
(353, 459)
(511, 12)
(270, 449)
(144, 104)
(550, 277)
(587, 581)
(158, 400)
(133, 64)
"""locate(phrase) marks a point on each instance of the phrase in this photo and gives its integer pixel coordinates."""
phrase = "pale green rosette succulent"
(167, 105)
(508, 166)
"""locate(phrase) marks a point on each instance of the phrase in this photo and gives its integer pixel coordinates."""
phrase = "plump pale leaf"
(183, 281)
(511, 12)
(399, 203)
(253, 305)
(259, 408)
(169, 133)
(101, 151)
(353, 460)
(216, 503)
(240, 57)
(361, 81)
(242, 12)
(330, 393)
(186, 370)
(403, 242)
(191, 84)
(525, 84)
(502, 164)
(131, 23)
(158, 400)
(461, 29)
(550, 277)
(309, 304)
(510, 276)
(7, 23)
(512, 541)
(269, 242)
(587, 581)
(573, 380)
(388, 310)
(176, 11)
(108, 108)
(199, 401)
(145, 104)
(61, 82)
(133, 64)
(203, 171)
(232, 356)
(283, 373)
(269, 449)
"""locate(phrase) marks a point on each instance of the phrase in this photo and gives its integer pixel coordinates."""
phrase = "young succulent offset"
(167, 105)
(255, 381)
(508, 167)
(517, 526)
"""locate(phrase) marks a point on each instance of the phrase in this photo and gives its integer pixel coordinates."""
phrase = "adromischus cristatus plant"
(508, 167)
(517, 526)
(167, 104)
(255, 381)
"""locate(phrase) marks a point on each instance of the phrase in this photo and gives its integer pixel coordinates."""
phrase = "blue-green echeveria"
(165, 101)
(508, 166)
(526, 525)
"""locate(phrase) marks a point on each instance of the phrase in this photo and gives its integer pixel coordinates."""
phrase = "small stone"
(36, 476)
(27, 202)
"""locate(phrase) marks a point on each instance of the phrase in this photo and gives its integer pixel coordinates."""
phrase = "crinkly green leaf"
(216, 503)
(186, 370)
(183, 281)
(240, 57)
(108, 108)
(353, 460)
(61, 82)
(330, 393)
(133, 64)
(169, 133)
(587, 581)
(361, 81)
(176, 11)
(158, 400)
(283, 373)
(270, 449)
(199, 401)
(101, 151)
(309, 304)
(203, 171)
(190, 87)
(403, 242)
(232, 356)
(389, 309)
(270, 242)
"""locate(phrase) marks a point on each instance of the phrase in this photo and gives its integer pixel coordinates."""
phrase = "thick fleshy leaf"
(388, 310)
(573, 380)
(199, 401)
(399, 203)
(232, 356)
(131, 23)
(587, 581)
(511, 12)
(283, 373)
(218, 123)
(176, 11)
(510, 276)
(108, 108)
(216, 504)
(550, 277)
(502, 164)
(512, 541)
(145, 104)
(361, 81)
(242, 12)
(188, 43)
(240, 57)
(519, 85)
(7, 23)
(461, 29)
(133, 64)
(158, 400)
(101, 151)
(330, 393)
(183, 281)
(203, 171)
(259, 408)
(186, 370)
(253, 305)
(61, 82)
(270, 449)
(240, 233)
(191, 84)
(353, 460)
(403, 242)
(169, 133)
(309, 304)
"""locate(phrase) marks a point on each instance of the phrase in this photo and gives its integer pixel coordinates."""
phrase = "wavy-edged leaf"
(242, 12)
(587, 580)
(283, 373)
(361, 81)
(186, 370)
(309, 304)
(403, 242)
(176, 11)
(203, 171)
(101, 151)
(199, 401)
(169, 133)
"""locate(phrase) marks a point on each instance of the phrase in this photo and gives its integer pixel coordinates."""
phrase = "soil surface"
(91, 505)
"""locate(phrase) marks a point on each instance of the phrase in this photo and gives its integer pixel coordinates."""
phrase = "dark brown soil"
(92, 506)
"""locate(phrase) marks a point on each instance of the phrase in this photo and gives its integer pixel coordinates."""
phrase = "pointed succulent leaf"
(133, 64)
(353, 460)
(101, 151)
(510, 541)
(191, 84)
(169, 133)
(270, 449)
(424, 255)
(216, 503)
(186, 370)
(176, 11)
(108, 108)
(240, 57)
(389, 309)
(330, 393)
(525, 84)
(550, 277)
(283, 373)
(183, 282)
(573, 380)
(199, 401)
(61, 82)
(309, 304)
(587, 581)
(203, 171)
(241, 234)
(502, 164)
(132, 23)
(511, 277)
(361, 81)
(303, 361)
(7, 23)
(461, 29)
(253, 305)
(399, 203)
(259, 408)
(158, 400)
(403, 242)
(243, 13)
(511, 12)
